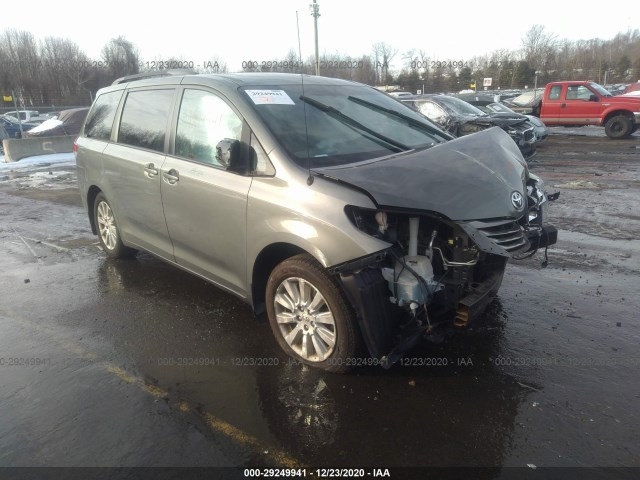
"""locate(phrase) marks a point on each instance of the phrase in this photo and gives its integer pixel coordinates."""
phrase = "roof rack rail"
(155, 73)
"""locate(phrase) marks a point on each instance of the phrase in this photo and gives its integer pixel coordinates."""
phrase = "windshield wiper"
(347, 120)
(411, 121)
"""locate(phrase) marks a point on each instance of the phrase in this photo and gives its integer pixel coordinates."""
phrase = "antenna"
(304, 105)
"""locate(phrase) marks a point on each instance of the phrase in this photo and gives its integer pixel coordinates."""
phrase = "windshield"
(344, 123)
(600, 89)
(458, 106)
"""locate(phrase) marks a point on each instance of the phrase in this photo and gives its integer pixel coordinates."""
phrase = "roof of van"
(240, 79)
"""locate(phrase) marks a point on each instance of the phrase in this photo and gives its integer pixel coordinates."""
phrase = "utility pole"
(15, 105)
(315, 13)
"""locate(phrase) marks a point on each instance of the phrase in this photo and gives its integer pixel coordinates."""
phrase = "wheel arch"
(265, 262)
(615, 113)
(92, 193)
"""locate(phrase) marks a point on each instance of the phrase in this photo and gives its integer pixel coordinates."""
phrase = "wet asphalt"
(136, 363)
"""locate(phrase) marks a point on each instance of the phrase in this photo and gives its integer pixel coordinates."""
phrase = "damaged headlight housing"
(536, 198)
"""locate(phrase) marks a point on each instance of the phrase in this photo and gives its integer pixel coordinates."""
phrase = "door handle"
(151, 170)
(171, 177)
(563, 105)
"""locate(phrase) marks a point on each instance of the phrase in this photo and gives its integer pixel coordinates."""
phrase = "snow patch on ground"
(37, 161)
(57, 170)
(578, 184)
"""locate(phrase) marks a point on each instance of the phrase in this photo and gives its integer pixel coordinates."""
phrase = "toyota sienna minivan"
(353, 222)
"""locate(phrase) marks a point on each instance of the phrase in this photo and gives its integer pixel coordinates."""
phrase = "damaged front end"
(438, 270)
(520, 132)
(433, 274)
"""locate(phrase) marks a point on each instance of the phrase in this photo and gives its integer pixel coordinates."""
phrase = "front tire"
(108, 232)
(310, 315)
(619, 126)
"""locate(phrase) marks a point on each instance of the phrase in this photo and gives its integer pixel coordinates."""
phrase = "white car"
(27, 116)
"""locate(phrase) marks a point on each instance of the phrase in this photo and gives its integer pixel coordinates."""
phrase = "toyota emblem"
(517, 200)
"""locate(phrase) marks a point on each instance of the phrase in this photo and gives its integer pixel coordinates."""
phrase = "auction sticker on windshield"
(271, 97)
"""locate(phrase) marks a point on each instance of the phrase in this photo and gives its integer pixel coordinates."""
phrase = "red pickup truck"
(587, 103)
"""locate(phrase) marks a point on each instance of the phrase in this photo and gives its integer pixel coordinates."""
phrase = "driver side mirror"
(228, 152)
(593, 98)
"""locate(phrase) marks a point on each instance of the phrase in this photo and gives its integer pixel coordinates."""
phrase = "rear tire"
(619, 126)
(310, 315)
(108, 232)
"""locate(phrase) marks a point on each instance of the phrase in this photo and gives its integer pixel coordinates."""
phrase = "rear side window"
(100, 119)
(144, 119)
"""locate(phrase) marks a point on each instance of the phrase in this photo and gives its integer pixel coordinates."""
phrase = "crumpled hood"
(493, 119)
(502, 119)
(468, 178)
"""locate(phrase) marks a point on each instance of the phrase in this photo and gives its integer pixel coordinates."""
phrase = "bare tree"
(121, 57)
(537, 46)
(65, 69)
(21, 55)
(383, 55)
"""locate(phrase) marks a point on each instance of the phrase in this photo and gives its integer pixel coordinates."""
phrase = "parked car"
(400, 94)
(27, 116)
(68, 122)
(460, 118)
(634, 87)
(617, 89)
(12, 126)
(341, 213)
(489, 105)
(527, 103)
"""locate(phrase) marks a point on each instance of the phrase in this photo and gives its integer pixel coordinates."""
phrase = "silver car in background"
(346, 217)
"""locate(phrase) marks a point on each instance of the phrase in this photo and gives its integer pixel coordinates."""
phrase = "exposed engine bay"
(437, 271)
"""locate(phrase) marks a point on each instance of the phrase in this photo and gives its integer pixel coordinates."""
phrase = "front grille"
(508, 234)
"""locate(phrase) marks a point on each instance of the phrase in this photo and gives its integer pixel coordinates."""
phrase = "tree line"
(542, 58)
(55, 71)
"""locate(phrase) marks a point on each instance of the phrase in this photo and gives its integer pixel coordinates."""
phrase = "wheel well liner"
(615, 113)
(91, 198)
(266, 261)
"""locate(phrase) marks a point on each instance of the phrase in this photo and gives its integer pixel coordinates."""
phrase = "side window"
(578, 92)
(260, 163)
(144, 119)
(432, 111)
(203, 121)
(100, 119)
(554, 93)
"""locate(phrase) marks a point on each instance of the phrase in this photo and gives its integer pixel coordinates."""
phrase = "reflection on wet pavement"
(548, 376)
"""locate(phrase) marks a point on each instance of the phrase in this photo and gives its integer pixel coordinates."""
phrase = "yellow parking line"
(278, 456)
(275, 455)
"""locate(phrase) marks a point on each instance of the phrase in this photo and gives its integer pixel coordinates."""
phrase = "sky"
(252, 30)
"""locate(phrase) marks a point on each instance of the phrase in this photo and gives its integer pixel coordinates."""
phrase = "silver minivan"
(353, 222)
